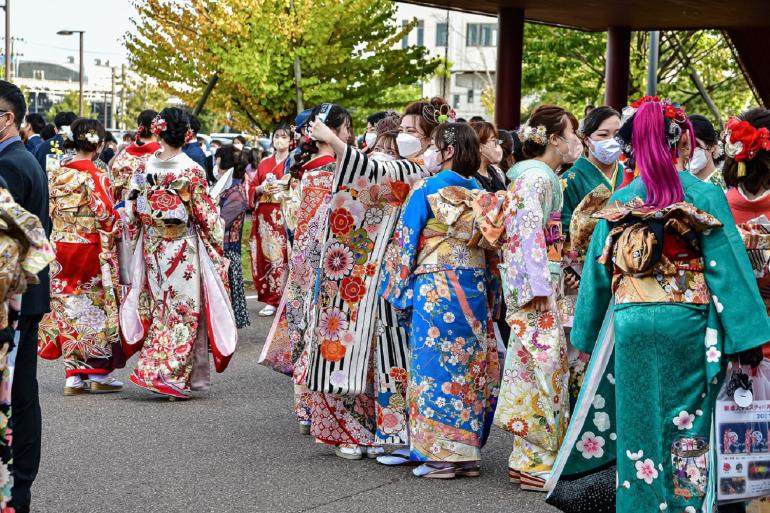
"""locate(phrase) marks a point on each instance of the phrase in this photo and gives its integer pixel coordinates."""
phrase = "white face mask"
(699, 160)
(238, 146)
(574, 150)
(606, 151)
(432, 161)
(370, 138)
(379, 156)
(408, 145)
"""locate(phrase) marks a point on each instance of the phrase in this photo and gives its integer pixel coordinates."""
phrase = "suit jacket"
(44, 149)
(28, 185)
(33, 142)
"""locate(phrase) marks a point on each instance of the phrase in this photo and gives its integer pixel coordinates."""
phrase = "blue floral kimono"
(436, 277)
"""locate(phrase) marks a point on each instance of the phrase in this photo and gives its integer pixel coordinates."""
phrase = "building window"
(456, 100)
(421, 33)
(405, 39)
(442, 34)
(481, 34)
(470, 96)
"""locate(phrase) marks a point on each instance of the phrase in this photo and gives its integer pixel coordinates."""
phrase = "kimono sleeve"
(396, 282)
(734, 290)
(356, 165)
(100, 201)
(524, 227)
(205, 214)
(572, 198)
(594, 294)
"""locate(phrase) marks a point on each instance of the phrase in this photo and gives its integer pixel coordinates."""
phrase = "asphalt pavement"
(236, 449)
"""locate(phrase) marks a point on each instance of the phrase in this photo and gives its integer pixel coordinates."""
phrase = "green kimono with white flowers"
(648, 398)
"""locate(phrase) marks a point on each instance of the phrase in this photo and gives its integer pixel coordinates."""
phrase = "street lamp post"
(82, 71)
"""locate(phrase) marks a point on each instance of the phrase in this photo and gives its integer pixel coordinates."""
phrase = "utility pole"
(113, 110)
(652, 63)
(82, 76)
(447, 75)
(298, 76)
(7, 8)
(123, 94)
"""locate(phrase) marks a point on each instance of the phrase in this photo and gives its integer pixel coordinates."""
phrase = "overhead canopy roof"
(636, 14)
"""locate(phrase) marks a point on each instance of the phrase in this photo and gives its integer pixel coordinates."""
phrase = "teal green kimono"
(582, 178)
(648, 398)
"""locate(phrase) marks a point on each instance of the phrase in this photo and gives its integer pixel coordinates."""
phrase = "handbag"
(587, 492)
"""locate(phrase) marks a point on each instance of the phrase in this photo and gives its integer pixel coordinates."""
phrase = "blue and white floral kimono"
(436, 277)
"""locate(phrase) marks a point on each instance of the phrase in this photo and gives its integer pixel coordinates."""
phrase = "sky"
(37, 21)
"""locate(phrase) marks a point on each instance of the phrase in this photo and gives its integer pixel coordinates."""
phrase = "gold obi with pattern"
(449, 239)
(654, 254)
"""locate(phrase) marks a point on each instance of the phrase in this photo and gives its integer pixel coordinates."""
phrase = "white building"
(467, 41)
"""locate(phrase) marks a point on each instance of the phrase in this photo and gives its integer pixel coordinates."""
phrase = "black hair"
(227, 156)
(757, 175)
(195, 124)
(177, 126)
(283, 126)
(594, 119)
(81, 129)
(48, 132)
(144, 122)
(705, 131)
(108, 137)
(36, 122)
(376, 117)
(477, 119)
(465, 141)
(241, 139)
(462, 120)
(336, 119)
(215, 141)
(64, 119)
(14, 101)
(509, 146)
(555, 120)
(240, 163)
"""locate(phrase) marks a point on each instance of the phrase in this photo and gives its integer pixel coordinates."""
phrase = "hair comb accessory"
(449, 136)
(90, 136)
(537, 135)
(158, 125)
(742, 142)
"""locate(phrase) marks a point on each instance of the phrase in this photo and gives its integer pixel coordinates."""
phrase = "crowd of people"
(580, 284)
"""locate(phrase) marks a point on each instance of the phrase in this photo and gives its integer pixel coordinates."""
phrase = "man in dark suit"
(192, 149)
(28, 185)
(62, 121)
(35, 125)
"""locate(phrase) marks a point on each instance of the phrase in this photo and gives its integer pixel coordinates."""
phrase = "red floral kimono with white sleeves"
(268, 244)
(126, 163)
(179, 300)
(82, 326)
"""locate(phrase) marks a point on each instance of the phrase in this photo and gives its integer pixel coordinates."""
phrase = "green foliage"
(347, 51)
(70, 103)
(141, 94)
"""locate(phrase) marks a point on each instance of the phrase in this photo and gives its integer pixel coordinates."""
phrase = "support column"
(510, 52)
(618, 66)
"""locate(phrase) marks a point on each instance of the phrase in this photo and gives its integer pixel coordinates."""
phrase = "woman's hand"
(540, 303)
(320, 132)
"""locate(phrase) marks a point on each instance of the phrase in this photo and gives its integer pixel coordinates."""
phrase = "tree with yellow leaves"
(344, 50)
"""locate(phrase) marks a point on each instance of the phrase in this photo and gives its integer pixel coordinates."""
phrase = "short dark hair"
(215, 141)
(508, 145)
(477, 119)
(36, 122)
(595, 118)
(108, 137)
(144, 123)
(81, 127)
(376, 117)
(48, 132)
(195, 124)
(227, 155)
(64, 119)
(463, 139)
(241, 139)
(14, 100)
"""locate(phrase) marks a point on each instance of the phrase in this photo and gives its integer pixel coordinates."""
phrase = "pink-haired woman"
(666, 294)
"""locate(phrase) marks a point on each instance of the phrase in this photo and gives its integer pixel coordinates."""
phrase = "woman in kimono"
(368, 192)
(24, 252)
(268, 243)
(671, 315)
(708, 152)
(128, 161)
(232, 207)
(436, 279)
(82, 326)
(179, 274)
(533, 394)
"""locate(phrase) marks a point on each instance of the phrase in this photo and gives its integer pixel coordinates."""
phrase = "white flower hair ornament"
(537, 135)
(66, 133)
(90, 136)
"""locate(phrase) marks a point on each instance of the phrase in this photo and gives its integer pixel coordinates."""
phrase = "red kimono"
(126, 163)
(267, 242)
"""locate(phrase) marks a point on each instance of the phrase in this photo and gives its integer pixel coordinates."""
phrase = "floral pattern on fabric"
(177, 219)
(82, 326)
(126, 164)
